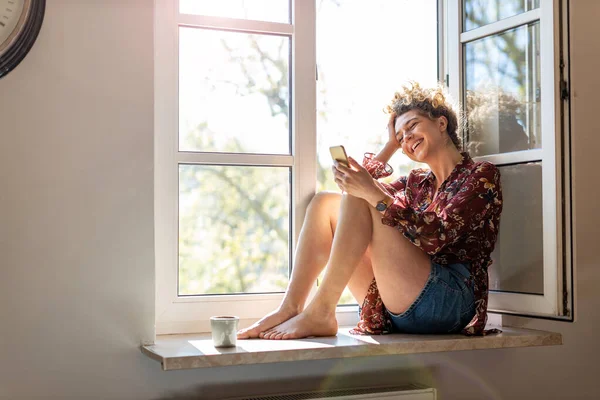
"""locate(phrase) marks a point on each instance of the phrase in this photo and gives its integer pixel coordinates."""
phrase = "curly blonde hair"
(429, 102)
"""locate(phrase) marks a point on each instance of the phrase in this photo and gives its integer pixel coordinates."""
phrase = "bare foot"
(306, 324)
(267, 322)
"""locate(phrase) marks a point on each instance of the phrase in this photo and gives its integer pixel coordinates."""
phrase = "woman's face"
(421, 137)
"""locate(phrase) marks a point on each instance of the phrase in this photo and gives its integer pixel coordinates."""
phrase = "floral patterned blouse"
(460, 224)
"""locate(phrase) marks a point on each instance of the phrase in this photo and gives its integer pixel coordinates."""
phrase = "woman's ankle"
(321, 309)
(289, 306)
(324, 303)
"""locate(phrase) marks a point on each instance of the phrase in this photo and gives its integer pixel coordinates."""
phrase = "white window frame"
(176, 314)
(556, 302)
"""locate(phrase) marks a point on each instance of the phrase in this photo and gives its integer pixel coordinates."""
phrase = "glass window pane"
(502, 75)
(481, 12)
(233, 229)
(260, 10)
(518, 257)
(233, 92)
(360, 69)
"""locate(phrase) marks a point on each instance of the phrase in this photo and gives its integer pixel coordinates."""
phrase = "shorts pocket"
(464, 320)
(467, 312)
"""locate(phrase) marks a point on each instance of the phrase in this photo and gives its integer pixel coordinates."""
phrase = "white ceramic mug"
(224, 330)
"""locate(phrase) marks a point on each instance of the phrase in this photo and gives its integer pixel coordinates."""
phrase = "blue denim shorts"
(445, 305)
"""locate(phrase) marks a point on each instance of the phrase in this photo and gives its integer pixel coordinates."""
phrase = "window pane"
(233, 92)
(502, 74)
(481, 12)
(360, 68)
(518, 258)
(233, 229)
(261, 10)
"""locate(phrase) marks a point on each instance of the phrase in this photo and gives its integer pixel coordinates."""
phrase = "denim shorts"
(445, 305)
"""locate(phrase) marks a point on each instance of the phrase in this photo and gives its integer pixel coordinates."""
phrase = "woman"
(414, 252)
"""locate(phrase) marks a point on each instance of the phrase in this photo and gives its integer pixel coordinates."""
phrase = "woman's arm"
(386, 153)
(377, 165)
(392, 145)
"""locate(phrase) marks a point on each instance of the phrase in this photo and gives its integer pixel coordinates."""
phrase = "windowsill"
(196, 350)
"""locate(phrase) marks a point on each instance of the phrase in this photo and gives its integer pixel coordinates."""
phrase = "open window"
(507, 63)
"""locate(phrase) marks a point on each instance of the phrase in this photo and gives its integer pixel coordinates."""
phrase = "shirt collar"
(465, 161)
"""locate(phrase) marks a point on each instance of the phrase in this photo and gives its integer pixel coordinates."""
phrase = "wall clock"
(20, 23)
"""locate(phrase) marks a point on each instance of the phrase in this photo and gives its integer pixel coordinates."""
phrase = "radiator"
(408, 392)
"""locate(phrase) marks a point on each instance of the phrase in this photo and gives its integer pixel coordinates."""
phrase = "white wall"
(76, 234)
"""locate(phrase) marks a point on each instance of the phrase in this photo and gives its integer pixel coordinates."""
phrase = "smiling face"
(421, 137)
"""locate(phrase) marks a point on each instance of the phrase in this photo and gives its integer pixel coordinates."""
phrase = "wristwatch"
(382, 205)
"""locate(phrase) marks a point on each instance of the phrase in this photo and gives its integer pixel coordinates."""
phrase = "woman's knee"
(325, 199)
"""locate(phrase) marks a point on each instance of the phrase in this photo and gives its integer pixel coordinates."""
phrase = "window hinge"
(447, 80)
(566, 311)
(317, 73)
(564, 90)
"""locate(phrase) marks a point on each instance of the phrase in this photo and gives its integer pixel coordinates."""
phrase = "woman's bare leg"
(312, 254)
(401, 270)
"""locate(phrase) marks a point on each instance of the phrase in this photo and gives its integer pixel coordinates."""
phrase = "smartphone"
(338, 153)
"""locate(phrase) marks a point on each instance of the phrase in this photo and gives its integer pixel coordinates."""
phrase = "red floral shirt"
(459, 225)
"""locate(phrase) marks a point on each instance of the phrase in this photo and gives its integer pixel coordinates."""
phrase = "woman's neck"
(443, 164)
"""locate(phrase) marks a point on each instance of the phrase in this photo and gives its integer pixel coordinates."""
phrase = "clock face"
(12, 17)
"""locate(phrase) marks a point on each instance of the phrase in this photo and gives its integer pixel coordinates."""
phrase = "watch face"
(12, 17)
(381, 206)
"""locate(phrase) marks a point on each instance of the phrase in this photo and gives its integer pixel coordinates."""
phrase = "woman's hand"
(356, 181)
(393, 140)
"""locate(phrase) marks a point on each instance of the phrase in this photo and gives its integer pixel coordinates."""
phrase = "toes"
(278, 335)
(275, 335)
(270, 335)
(267, 334)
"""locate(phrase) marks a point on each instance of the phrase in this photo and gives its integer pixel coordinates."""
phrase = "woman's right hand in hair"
(393, 141)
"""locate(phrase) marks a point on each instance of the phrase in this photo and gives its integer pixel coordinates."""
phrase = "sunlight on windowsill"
(197, 351)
